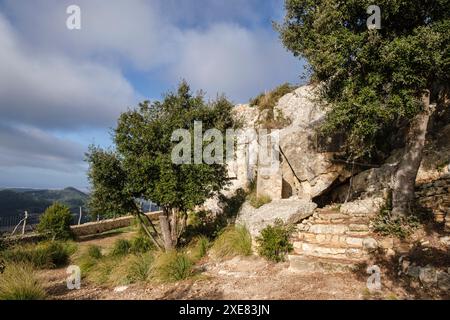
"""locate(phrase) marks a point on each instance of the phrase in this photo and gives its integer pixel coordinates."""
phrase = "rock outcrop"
(290, 211)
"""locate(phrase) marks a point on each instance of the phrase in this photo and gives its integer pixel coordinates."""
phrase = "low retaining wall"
(435, 196)
(93, 228)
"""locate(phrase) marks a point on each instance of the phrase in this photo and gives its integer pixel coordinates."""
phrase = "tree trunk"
(166, 230)
(405, 178)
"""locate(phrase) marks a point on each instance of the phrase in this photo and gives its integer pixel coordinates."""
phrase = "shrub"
(19, 282)
(233, 241)
(45, 255)
(172, 266)
(121, 247)
(55, 222)
(401, 227)
(258, 202)
(266, 103)
(141, 244)
(198, 247)
(94, 252)
(140, 268)
(274, 241)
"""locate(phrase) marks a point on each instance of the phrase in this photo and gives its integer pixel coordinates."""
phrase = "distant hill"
(16, 201)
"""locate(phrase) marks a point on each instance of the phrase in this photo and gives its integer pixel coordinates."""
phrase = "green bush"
(141, 244)
(55, 222)
(402, 227)
(19, 282)
(273, 243)
(233, 241)
(45, 255)
(140, 268)
(198, 247)
(172, 266)
(121, 247)
(94, 252)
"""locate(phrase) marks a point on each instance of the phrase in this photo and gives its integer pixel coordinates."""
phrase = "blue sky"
(61, 90)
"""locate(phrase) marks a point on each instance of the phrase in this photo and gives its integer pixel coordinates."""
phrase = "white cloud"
(54, 91)
(228, 58)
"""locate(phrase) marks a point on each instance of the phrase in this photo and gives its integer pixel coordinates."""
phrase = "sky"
(62, 90)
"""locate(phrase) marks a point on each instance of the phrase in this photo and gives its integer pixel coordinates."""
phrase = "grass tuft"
(234, 241)
(18, 282)
(172, 266)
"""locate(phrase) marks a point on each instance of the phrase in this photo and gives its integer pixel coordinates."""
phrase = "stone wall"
(93, 228)
(435, 196)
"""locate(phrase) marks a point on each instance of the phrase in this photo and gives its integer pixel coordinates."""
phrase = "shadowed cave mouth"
(334, 194)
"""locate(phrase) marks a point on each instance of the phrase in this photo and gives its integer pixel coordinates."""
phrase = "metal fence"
(9, 222)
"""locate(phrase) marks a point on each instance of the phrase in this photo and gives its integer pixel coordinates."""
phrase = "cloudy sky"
(61, 90)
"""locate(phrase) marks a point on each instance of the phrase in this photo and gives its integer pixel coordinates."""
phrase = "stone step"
(325, 228)
(341, 220)
(303, 264)
(324, 251)
(334, 240)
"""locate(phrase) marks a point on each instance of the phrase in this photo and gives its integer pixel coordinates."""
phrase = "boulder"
(428, 276)
(290, 211)
(443, 281)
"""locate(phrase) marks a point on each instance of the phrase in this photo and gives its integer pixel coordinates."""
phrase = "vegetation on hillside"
(55, 222)
(269, 117)
(377, 82)
(16, 201)
(141, 166)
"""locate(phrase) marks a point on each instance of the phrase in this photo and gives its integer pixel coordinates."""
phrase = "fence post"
(79, 218)
(24, 222)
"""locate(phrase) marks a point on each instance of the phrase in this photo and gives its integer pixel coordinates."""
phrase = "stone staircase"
(331, 240)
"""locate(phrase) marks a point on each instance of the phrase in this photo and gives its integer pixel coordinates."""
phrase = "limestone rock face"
(290, 211)
(305, 169)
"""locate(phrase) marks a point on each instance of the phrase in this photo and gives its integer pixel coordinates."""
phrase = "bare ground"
(240, 278)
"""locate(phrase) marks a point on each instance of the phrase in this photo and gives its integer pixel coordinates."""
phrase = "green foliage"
(274, 241)
(121, 247)
(203, 223)
(45, 255)
(55, 222)
(373, 79)
(19, 282)
(401, 227)
(142, 167)
(36, 201)
(172, 266)
(110, 197)
(198, 248)
(258, 202)
(94, 252)
(141, 244)
(233, 241)
(140, 268)
(266, 103)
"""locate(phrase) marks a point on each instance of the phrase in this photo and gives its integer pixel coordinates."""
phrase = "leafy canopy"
(373, 79)
(55, 222)
(141, 166)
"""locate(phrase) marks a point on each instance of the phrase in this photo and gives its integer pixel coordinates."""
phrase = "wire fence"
(9, 222)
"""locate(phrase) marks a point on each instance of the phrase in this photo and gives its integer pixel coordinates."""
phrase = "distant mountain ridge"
(17, 200)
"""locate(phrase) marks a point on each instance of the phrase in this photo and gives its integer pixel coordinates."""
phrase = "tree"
(376, 82)
(55, 222)
(141, 166)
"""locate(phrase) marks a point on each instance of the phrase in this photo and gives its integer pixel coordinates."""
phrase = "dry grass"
(19, 282)
(234, 241)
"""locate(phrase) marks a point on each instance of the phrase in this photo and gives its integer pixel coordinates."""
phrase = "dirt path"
(239, 278)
